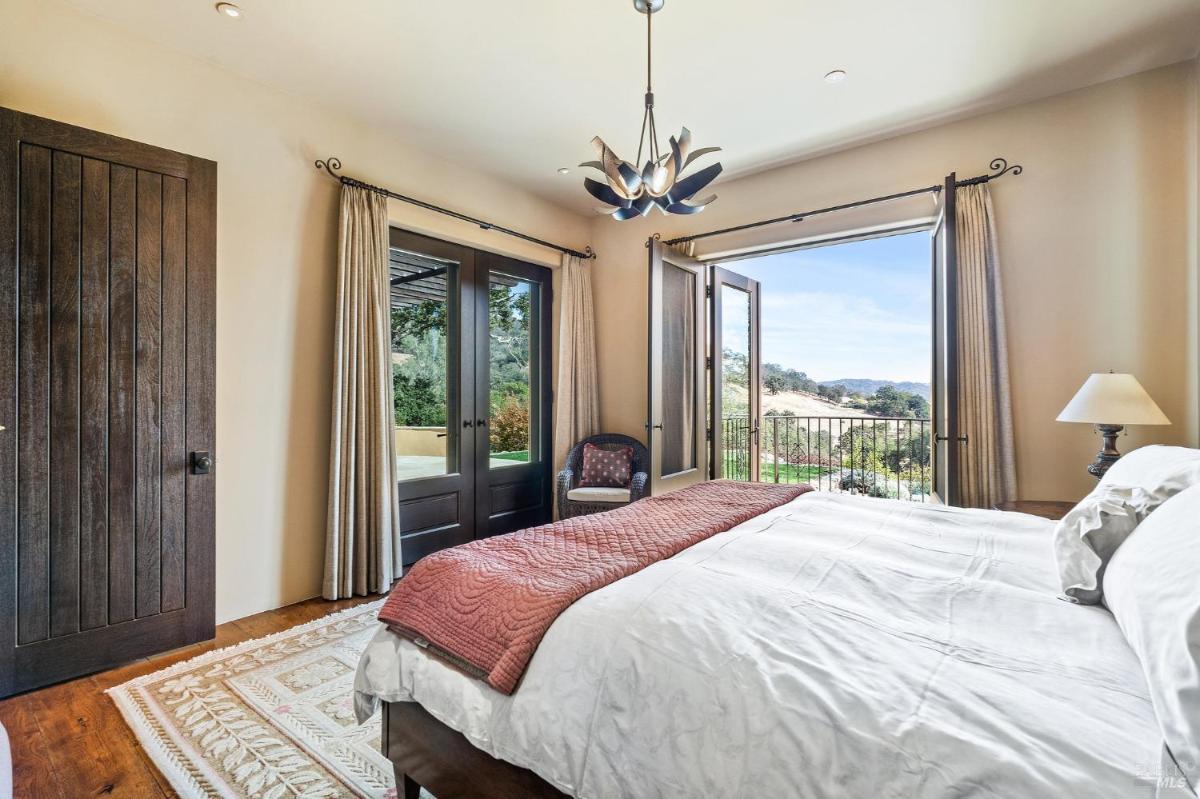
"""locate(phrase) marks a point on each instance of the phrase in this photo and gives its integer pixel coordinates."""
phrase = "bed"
(835, 646)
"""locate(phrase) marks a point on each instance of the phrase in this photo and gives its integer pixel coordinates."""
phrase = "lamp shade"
(1112, 399)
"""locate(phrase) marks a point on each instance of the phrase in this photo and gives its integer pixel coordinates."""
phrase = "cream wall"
(276, 241)
(1097, 247)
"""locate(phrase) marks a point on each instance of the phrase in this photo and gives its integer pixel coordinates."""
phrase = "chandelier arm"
(637, 163)
(654, 153)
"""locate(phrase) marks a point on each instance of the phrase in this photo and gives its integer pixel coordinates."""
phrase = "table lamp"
(1111, 401)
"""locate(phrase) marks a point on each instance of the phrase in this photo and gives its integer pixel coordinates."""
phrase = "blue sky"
(857, 310)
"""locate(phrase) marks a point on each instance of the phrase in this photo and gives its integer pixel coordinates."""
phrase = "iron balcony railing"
(872, 455)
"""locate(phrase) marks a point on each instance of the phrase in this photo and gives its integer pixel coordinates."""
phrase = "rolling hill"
(867, 387)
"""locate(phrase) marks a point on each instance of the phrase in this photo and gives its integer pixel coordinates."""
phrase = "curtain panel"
(362, 551)
(576, 395)
(987, 470)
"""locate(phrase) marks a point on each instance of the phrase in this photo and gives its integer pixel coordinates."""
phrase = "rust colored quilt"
(484, 606)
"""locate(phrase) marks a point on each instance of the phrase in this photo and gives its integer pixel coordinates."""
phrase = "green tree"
(891, 401)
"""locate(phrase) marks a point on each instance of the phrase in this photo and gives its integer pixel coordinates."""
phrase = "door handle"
(202, 462)
(481, 422)
(467, 423)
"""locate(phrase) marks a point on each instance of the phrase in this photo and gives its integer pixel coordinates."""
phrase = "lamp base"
(1108, 454)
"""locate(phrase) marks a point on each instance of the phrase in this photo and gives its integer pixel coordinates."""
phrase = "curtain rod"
(331, 165)
(999, 166)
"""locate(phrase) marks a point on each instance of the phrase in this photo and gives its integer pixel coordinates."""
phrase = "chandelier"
(627, 192)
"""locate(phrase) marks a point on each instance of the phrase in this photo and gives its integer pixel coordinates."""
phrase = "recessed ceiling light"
(563, 170)
(229, 10)
(836, 76)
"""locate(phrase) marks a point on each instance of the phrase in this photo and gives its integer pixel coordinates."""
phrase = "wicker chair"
(581, 504)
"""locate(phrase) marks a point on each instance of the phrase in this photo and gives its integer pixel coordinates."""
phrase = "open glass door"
(675, 427)
(947, 443)
(736, 362)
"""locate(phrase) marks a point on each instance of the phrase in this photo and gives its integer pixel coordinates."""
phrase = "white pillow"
(1090, 533)
(1159, 470)
(1152, 587)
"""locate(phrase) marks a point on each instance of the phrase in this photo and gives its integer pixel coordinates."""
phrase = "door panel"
(107, 270)
(435, 411)
(946, 447)
(93, 396)
(676, 381)
(513, 394)
(736, 406)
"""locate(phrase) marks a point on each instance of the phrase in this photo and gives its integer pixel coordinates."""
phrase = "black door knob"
(202, 462)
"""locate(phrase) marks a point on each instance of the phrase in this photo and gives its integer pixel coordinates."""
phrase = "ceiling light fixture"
(630, 193)
(229, 10)
(564, 170)
(835, 76)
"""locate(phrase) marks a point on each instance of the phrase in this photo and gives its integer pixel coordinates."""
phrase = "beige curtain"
(576, 397)
(987, 472)
(362, 549)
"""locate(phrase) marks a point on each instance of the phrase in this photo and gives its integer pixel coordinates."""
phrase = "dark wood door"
(107, 294)
(736, 365)
(433, 331)
(947, 443)
(471, 364)
(512, 395)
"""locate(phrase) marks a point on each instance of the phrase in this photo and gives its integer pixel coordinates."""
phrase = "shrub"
(509, 430)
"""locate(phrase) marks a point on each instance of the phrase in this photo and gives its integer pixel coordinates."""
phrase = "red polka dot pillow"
(606, 468)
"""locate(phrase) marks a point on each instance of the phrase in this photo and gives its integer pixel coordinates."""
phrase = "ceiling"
(518, 88)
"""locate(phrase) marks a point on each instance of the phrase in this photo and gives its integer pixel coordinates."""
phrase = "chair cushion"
(606, 467)
(598, 494)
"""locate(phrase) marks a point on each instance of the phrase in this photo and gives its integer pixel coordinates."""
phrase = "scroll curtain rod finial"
(1000, 167)
(330, 165)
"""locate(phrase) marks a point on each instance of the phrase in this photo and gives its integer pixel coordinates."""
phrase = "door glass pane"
(678, 370)
(424, 346)
(511, 307)
(734, 462)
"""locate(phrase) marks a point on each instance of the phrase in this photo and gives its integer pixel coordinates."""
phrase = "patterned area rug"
(270, 718)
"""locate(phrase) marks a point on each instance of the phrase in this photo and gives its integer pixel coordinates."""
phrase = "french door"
(735, 365)
(107, 406)
(947, 442)
(471, 368)
(677, 397)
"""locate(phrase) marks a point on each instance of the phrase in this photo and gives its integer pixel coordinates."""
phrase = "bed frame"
(427, 754)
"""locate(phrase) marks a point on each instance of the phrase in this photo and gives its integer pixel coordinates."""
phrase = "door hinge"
(708, 434)
(708, 362)
(708, 291)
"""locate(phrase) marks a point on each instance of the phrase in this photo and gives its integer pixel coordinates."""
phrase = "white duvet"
(833, 647)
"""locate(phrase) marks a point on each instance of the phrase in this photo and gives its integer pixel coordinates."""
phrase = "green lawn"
(787, 472)
(520, 455)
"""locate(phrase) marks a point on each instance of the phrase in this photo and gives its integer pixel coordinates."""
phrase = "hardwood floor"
(69, 740)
